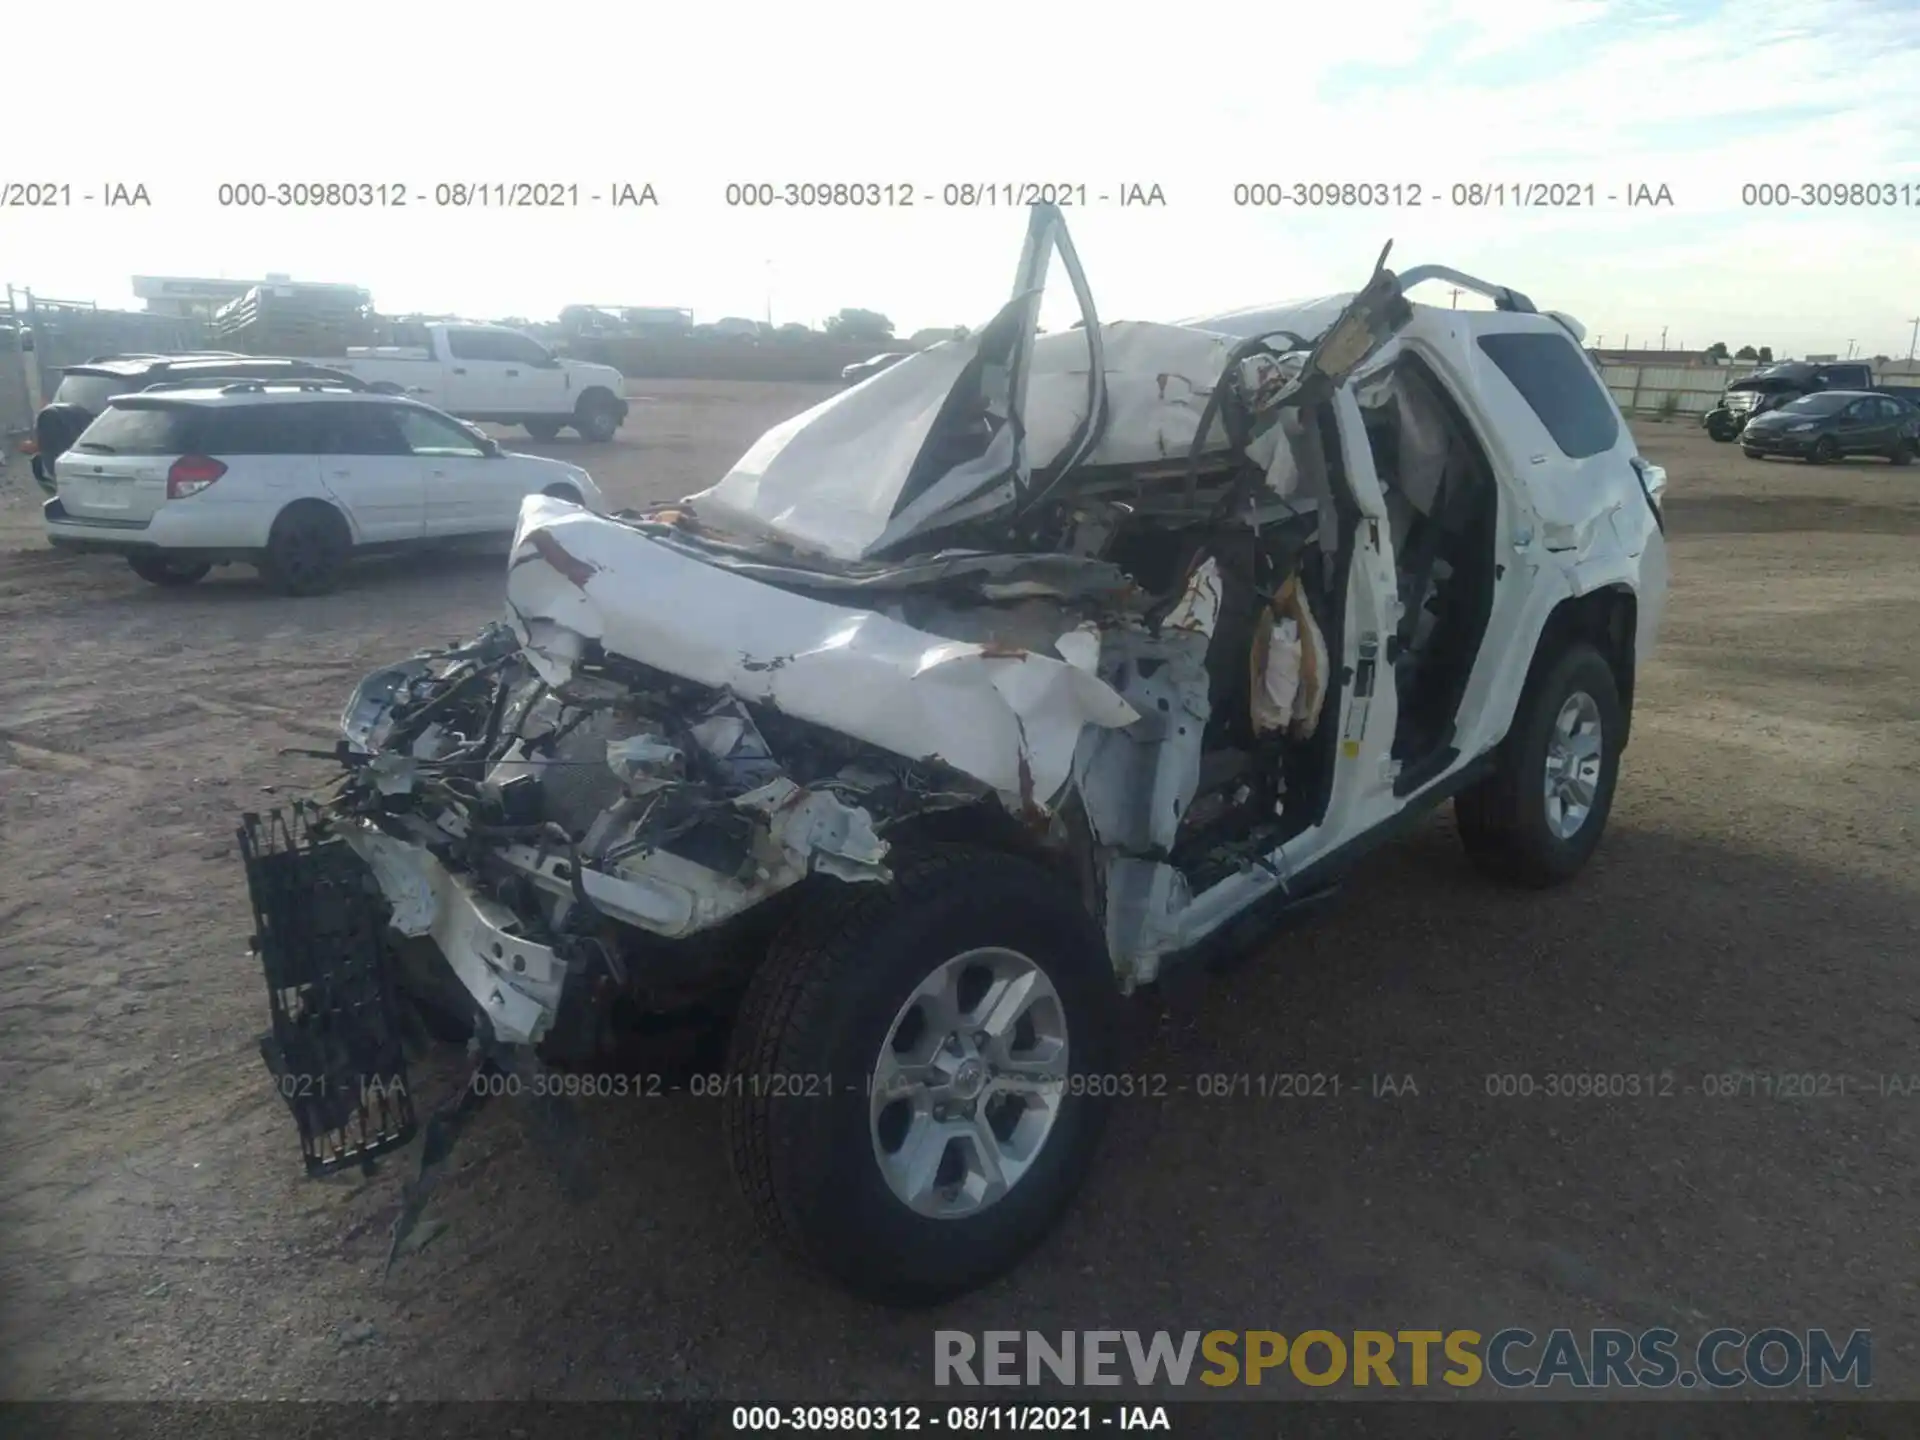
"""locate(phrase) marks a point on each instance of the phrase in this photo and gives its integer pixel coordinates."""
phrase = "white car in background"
(294, 478)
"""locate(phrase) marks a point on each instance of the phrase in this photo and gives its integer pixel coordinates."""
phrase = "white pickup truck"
(490, 372)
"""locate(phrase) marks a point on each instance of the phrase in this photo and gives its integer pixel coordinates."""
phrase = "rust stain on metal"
(575, 569)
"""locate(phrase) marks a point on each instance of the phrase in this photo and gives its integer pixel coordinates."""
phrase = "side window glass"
(362, 430)
(488, 345)
(1556, 381)
(262, 430)
(521, 349)
(468, 345)
(426, 433)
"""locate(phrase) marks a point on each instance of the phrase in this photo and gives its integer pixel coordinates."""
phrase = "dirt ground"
(1753, 914)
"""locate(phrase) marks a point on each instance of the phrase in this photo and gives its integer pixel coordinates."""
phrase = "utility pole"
(1850, 345)
(1663, 340)
(1915, 339)
(1455, 293)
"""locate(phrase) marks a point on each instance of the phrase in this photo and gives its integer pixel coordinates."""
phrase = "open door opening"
(1442, 514)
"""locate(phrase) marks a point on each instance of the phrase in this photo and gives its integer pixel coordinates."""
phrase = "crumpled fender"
(1009, 718)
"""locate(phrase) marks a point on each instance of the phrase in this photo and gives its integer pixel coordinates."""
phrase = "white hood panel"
(827, 480)
(1010, 720)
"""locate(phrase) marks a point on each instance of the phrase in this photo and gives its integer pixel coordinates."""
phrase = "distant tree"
(1766, 355)
(1746, 352)
(1717, 350)
(860, 325)
(1880, 360)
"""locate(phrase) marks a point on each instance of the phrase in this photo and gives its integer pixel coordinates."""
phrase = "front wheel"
(173, 574)
(1538, 817)
(1825, 450)
(919, 1073)
(1901, 453)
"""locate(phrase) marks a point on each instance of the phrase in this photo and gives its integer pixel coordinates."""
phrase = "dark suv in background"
(1773, 386)
(85, 390)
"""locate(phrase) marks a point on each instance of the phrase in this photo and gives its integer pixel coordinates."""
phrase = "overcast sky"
(1699, 97)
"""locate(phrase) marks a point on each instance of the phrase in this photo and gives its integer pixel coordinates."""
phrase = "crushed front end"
(555, 842)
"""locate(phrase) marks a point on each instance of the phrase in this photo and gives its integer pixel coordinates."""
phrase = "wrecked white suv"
(969, 702)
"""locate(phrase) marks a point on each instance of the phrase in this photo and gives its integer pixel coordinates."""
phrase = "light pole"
(1663, 337)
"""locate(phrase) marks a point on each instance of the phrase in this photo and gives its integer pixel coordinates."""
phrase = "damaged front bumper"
(656, 745)
(334, 1048)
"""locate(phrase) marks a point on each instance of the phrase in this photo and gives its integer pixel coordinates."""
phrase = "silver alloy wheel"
(1574, 757)
(968, 1083)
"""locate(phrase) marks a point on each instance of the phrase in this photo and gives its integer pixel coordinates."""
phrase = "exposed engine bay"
(1089, 607)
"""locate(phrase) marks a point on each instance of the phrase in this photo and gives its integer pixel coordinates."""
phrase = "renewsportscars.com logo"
(1511, 1359)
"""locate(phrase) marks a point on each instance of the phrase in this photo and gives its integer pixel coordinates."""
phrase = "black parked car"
(85, 390)
(1773, 386)
(1833, 423)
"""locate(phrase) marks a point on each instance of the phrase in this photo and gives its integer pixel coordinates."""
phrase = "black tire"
(597, 418)
(172, 574)
(1751, 453)
(1825, 450)
(1720, 431)
(1901, 453)
(823, 1005)
(564, 492)
(1506, 821)
(307, 550)
(543, 429)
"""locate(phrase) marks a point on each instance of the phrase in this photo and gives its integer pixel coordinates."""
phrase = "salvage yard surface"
(1747, 929)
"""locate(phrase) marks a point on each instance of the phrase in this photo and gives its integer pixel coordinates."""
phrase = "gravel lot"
(1753, 913)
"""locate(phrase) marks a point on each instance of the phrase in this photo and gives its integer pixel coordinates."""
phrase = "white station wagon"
(295, 478)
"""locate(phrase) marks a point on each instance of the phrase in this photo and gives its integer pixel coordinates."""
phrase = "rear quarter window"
(90, 392)
(1560, 387)
(141, 430)
(260, 430)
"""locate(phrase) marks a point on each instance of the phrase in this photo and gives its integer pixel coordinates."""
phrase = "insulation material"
(1289, 667)
(1279, 678)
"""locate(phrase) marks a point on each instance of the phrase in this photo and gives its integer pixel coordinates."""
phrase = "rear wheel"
(543, 429)
(174, 574)
(902, 1109)
(1539, 816)
(1901, 453)
(1825, 450)
(597, 419)
(306, 552)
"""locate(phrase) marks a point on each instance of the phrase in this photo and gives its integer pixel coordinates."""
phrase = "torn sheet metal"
(516, 982)
(1159, 379)
(1010, 721)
